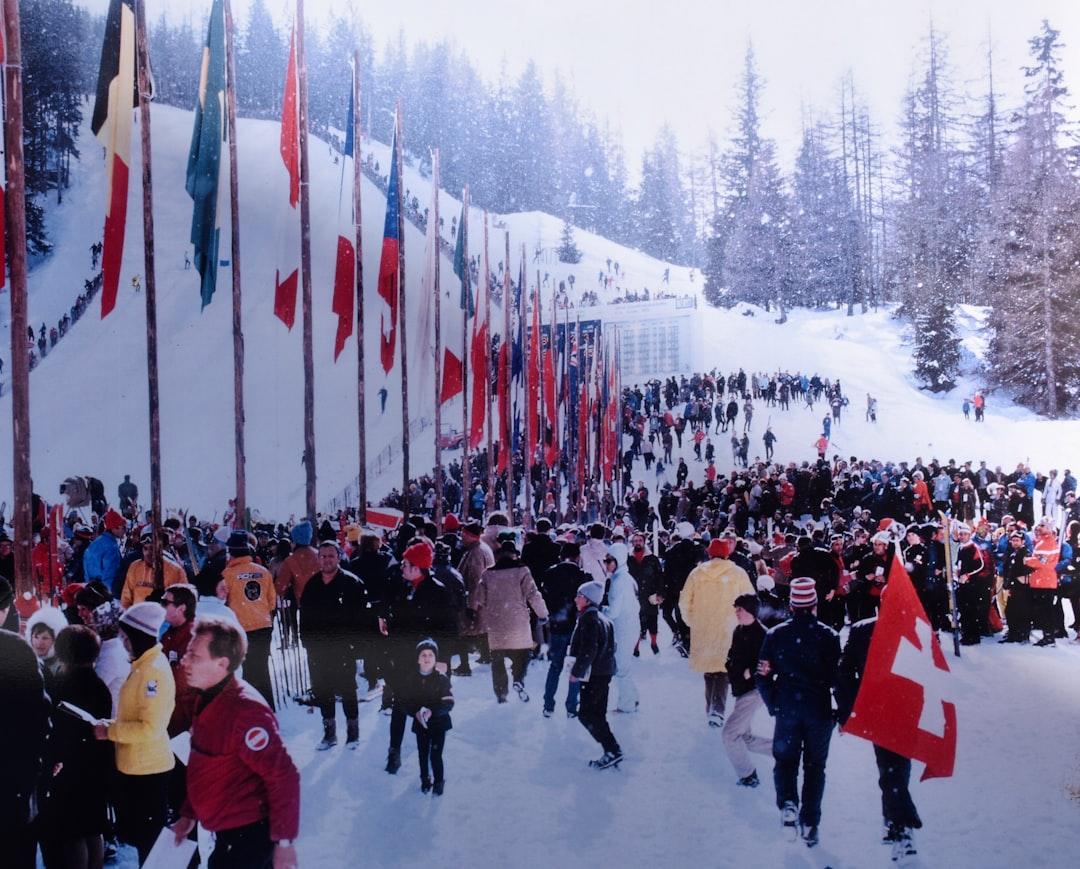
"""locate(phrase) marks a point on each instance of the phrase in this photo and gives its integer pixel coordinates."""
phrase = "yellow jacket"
(707, 606)
(140, 730)
(139, 582)
(250, 592)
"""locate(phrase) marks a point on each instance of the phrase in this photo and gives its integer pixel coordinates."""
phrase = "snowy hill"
(88, 397)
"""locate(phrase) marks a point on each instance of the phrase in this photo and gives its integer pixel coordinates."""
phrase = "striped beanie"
(803, 593)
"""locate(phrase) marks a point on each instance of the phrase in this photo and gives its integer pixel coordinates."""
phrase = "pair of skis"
(950, 580)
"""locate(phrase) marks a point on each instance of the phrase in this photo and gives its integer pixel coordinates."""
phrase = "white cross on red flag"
(902, 702)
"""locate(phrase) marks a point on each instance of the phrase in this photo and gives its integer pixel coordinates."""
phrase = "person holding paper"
(242, 784)
(144, 757)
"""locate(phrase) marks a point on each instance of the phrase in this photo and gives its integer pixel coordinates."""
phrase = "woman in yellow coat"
(706, 604)
(144, 758)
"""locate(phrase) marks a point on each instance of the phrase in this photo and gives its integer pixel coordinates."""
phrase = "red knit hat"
(113, 520)
(720, 547)
(420, 555)
(451, 523)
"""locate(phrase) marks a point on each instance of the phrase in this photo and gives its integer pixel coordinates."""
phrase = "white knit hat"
(146, 617)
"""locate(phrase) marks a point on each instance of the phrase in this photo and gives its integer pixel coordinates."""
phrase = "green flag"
(205, 158)
(461, 266)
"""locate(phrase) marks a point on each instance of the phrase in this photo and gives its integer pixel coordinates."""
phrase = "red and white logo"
(257, 738)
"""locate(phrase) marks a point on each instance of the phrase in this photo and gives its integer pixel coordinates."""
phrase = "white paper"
(166, 854)
(78, 712)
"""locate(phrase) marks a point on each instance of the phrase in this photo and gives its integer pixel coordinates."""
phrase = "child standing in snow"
(428, 699)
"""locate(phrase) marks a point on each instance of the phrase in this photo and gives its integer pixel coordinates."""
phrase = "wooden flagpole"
(526, 442)
(361, 479)
(143, 62)
(402, 316)
(508, 426)
(542, 412)
(466, 289)
(557, 447)
(237, 298)
(305, 271)
(488, 390)
(434, 215)
(15, 224)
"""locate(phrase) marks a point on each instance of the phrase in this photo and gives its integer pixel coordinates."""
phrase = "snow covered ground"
(519, 793)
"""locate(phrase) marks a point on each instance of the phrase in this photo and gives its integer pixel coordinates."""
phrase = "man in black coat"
(338, 621)
(894, 770)
(593, 648)
(24, 726)
(648, 573)
(371, 565)
(796, 673)
(820, 566)
(559, 585)
(679, 560)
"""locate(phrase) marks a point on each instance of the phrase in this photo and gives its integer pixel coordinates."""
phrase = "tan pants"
(738, 740)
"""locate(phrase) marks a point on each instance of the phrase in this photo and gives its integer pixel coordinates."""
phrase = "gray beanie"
(592, 591)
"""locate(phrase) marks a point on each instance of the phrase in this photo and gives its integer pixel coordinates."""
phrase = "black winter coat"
(648, 574)
(413, 614)
(24, 719)
(803, 654)
(559, 585)
(592, 646)
(679, 560)
(743, 655)
(433, 692)
(852, 666)
(337, 615)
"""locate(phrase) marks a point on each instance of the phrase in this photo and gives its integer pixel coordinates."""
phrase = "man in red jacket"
(242, 784)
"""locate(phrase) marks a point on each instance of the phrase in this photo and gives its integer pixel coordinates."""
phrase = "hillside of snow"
(89, 396)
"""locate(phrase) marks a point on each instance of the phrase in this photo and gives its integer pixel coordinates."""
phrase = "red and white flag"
(479, 358)
(112, 124)
(287, 275)
(343, 301)
(903, 702)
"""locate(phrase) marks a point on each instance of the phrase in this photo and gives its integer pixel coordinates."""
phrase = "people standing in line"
(593, 649)
(559, 586)
(742, 658)
(796, 674)
(242, 784)
(250, 594)
(706, 603)
(140, 731)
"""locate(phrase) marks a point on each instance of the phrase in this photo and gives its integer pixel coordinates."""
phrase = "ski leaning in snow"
(950, 580)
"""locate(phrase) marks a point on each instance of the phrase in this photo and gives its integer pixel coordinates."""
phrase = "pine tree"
(937, 347)
(568, 249)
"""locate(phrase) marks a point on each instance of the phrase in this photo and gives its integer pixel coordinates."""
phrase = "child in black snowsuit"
(428, 699)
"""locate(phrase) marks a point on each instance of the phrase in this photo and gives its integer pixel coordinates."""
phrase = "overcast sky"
(643, 62)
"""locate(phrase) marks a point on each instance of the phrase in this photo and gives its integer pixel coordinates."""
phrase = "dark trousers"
(894, 775)
(935, 600)
(649, 618)
(1018, 612)
(142, 803)
(1042, 607)
(969, 603)
(257, 663)
(592, 711)
(716, 685)
(429, 746)
(557, 656)
(800, 734)
(247, 847)
(333, 675)
(18, 845)
(670, 610)
(519, 663)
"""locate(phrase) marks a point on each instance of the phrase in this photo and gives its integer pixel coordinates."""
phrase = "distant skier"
(769, 439)
(966, 408)
(871, 408)
(187, 261)
(382, 400)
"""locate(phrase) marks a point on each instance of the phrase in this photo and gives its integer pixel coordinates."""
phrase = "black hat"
(748, 602)
(238, 541)
(427, 644)
(474, 528)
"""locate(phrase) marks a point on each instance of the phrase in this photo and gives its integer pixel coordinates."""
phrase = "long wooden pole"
(143, 60)
(434, 216)
(403, 318)
(488, 391)
(15, 221)
(555, 440)
(508, 426)
(237, 297)
(542, 412)
(361, 457)
(529, 410)
(305, 273)
(466, 291)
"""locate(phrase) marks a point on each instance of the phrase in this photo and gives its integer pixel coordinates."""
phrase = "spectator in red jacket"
(242, 784)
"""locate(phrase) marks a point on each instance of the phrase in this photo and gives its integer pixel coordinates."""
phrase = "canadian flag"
(903, 704)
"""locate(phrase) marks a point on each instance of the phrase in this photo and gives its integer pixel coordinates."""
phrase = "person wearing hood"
(707, 603)
(144, 757)
(505, 594)
(42, 629)
(593, 553)
(625, 614)
(99, 610)
(301, 565)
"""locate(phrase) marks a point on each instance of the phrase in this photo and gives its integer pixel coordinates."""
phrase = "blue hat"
(302, 533)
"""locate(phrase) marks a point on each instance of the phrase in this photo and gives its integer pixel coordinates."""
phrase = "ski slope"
(89, 396)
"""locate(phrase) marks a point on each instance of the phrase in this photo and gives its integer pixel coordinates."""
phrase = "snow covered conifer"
(937, 348)
(568, 249)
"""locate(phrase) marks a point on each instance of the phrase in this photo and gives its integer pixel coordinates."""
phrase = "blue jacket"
(803, 654)
(102, 559)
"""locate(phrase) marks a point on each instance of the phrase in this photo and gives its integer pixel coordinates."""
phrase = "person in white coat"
(1051, 504)
(593, 553)
(624, 611)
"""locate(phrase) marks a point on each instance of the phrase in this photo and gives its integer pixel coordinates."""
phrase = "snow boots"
(609, 758)
(352, 733)
(522, 695)
(437, 788)
(810, 836)
(425, 785)
(716, 720)
(789, 817)
(903, 846)
(393, 761)
(750, 781)
(329, 739)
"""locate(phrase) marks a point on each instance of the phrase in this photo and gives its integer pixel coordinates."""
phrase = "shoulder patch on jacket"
(256, 738)
(151, 688)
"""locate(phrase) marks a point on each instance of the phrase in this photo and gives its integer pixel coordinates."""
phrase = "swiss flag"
(902, 702)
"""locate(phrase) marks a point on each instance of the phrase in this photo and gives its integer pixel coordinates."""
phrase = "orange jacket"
(922, 495)
(1044, 561)
(249, 592)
